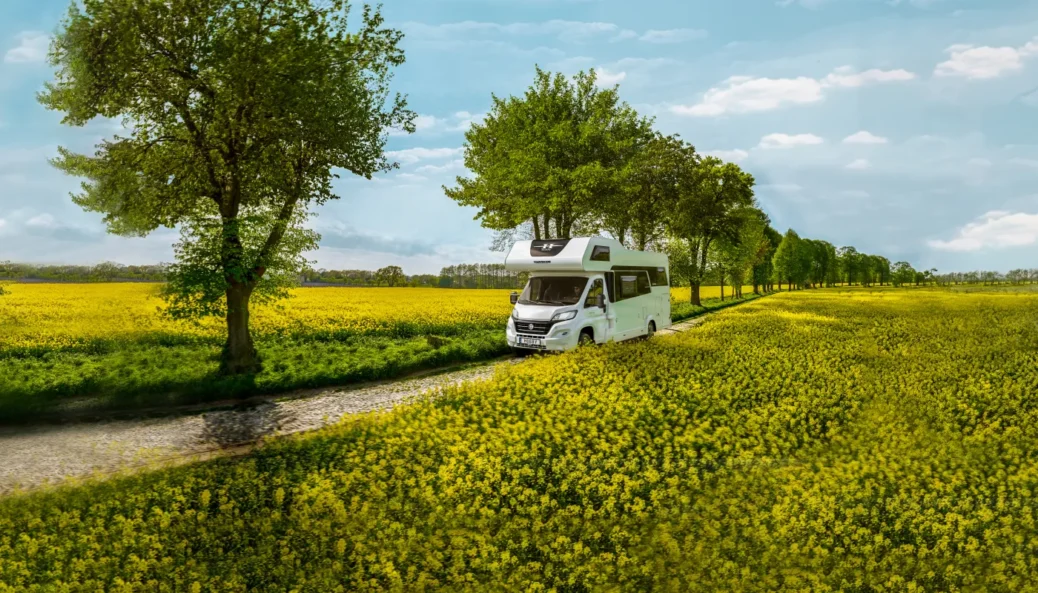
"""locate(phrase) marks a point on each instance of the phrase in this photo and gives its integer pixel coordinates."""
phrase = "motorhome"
(586, 290)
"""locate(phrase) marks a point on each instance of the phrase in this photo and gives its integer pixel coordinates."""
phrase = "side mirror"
(514, 297)
(600, 301)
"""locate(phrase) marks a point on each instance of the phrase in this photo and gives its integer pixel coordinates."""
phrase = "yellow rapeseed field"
(55, 315)
(67, 315)
(829, 440)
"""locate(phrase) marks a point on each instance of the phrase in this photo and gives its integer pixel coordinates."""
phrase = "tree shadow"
(243, 425)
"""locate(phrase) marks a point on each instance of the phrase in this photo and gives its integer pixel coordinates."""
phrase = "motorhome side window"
(600, 253)
(592, 294)
(628, 286)
(661, 277)
(644, 287)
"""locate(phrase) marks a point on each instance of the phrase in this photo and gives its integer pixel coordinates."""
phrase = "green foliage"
(792, 259)
(237, 114)
(714, 200)
(651, 182)
(198, 282)
(814, 441)
(156, 375)
(553, 157)
(902, 273)
(390, 275)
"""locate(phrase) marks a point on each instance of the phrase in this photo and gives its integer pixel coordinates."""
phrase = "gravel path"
(38, 456)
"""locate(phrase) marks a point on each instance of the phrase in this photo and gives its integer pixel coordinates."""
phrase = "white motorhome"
(586, 290)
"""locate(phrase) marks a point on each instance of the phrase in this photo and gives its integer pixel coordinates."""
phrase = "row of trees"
(457, 276)
(569, 158)
(103, 272)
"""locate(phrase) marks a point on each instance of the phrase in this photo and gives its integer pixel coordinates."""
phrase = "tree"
(391, 275)
(710, 206)
(650, 182)
(551, 157)
(237, 111)
(764, 269)
(849, 262)
(735, 259)
(790, 262)
(902, 273)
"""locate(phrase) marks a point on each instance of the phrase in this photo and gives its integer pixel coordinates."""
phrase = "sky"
(906, 128)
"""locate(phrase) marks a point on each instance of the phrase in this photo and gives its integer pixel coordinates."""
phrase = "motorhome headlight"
(514, 314)
(564, 315)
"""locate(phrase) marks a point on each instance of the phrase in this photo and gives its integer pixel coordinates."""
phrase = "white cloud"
(43, 221)
(846, 77)
(736, 155)
(671, 35)
(463, 120)
(606, 78)
(431, 124)
(410, 156)
(864, 137)
(786, 188)
(410, 177)
(978, 162)
(422, 123)
(746, 94)
(455, 165)
(567, 31)
(859, 165)
(1032, 163)
(985, 62)
(772, 141)
(855, 193)
(32, 47)
(996, 229)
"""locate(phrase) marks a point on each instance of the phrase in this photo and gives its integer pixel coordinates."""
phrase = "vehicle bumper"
(561, 337)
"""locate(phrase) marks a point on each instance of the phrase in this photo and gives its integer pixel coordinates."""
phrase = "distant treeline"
(459, 276)
(477, 275)
(103, 272)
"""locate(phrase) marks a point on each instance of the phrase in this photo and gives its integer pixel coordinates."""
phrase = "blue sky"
(905, 128)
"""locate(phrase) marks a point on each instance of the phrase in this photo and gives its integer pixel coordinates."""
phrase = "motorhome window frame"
(587, 295)
(654, 272)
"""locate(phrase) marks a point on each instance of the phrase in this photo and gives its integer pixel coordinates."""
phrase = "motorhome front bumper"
(541, 335)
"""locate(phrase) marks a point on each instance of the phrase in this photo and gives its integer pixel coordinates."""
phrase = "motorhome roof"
(582, 254)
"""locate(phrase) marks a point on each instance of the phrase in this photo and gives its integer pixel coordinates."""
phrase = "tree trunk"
(695, 295)
(537, 229)
(239, 353)
(756, 288)
(722, 288)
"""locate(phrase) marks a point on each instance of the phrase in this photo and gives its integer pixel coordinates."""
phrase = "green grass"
(685, 310)
(159, 371)
(149, 376)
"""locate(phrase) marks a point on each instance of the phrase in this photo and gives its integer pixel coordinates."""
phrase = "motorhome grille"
(534, 328)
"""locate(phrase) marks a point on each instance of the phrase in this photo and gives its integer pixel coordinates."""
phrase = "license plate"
(531, 341)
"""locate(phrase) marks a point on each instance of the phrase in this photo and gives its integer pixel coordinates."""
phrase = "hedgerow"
(816, 441)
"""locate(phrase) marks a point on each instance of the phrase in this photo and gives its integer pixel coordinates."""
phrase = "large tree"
(792, 260)
(238, 112)
(649, 181)
(733, 260)
(713, 196)
(550, 158)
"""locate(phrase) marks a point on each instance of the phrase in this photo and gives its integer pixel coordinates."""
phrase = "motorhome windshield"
(553, 290)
